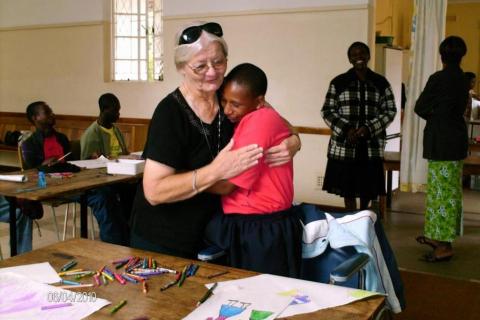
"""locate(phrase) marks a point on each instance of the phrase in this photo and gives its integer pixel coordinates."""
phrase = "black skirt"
(352, 179)
(266, 243)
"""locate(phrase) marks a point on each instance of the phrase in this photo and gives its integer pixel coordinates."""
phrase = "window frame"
(150, 66)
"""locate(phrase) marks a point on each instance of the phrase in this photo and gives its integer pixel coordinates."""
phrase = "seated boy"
(258, 226)
(102, 137)
(45, 146)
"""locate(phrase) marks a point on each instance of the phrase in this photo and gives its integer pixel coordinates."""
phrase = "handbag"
(31, 209)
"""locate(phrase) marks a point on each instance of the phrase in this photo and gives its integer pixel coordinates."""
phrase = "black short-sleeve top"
(178, 139)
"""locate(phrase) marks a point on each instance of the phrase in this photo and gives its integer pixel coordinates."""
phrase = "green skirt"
(444, 203)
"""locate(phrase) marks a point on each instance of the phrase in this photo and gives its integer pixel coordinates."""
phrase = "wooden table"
(391, 162)
(472, 124)
(173, 303)
(78, 184)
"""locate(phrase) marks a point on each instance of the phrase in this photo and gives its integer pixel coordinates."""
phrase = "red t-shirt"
(261, 189)
(52, 148)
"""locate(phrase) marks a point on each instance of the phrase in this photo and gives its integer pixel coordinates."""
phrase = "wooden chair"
(76, 150)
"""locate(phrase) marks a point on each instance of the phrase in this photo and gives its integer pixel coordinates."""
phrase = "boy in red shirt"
(258, 227)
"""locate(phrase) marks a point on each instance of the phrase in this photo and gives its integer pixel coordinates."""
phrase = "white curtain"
(427, 33)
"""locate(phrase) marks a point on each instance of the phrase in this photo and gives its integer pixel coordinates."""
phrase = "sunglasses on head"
(191, 34)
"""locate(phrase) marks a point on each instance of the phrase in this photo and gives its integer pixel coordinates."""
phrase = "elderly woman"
(445, 143)
(188, 150)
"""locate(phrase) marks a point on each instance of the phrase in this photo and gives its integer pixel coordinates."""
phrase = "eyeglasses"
(191, 34)
(201, 69)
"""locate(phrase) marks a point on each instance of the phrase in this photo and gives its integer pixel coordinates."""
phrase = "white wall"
(14, 13)
(301, 50)
(176, 7)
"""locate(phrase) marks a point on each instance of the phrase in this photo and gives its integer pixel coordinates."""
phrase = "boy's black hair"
(250, 76)
(470, 76)
(358, 44)
(108, 100)
(32, 109)
(452, 49)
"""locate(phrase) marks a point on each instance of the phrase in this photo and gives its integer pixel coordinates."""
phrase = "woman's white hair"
(185, 52)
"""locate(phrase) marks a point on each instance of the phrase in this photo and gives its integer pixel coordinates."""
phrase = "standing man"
(102, 137)
(358, 107)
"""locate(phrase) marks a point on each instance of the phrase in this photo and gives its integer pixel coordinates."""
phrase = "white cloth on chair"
(353, 230)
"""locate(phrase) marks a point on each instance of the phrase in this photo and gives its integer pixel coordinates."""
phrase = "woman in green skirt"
(445, 143)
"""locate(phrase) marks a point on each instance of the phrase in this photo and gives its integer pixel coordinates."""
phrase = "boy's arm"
(89, 145)
(287, 149)
(223, 188)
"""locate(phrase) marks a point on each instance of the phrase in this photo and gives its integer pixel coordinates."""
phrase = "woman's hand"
(363, 133)
(284, 152)
(230, 163)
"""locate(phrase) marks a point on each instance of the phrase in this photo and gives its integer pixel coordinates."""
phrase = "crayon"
(55, 306)
(96, 278)
(207, 294)
(183, 276)
(128, 278)
(221, 273)
(119, 278)
(118, 306)
(195, 269)
(72, 283)
(122, 260)
(68, 265)
(109, 277)
(168, 285)
(87, 274)
(88, 285)
(66, 273)
(136, 277)
(144, 287)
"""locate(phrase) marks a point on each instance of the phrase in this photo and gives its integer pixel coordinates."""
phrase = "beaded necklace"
(219, 134)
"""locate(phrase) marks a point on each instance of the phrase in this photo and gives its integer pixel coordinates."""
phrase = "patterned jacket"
(351, 103)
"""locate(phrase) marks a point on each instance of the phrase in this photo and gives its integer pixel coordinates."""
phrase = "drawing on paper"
(230, 309)
(260, 315)
(300, 299)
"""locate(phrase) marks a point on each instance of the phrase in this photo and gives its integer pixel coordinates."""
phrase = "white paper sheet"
(13, 177)
(308, 296)
(22, 298)
(100, 162)
(40, 272)
(235, 303)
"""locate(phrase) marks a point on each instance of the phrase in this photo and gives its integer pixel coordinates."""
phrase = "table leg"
(389, 189)
(13, 226)
(382, 208)
(83, 216)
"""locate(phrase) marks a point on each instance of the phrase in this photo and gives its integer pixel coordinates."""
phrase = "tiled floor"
(404, 223)
(45, 234)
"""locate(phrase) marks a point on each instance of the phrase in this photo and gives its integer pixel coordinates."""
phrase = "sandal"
(427, 241)
(431, 257)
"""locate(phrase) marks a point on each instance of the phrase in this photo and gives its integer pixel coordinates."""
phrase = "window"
(137, 40)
